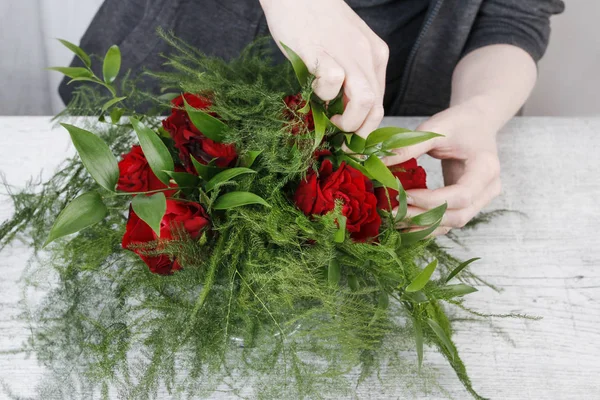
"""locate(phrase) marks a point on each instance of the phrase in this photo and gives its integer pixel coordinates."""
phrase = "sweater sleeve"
(522, 23)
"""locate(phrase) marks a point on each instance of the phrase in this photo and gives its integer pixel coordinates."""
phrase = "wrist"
(480, 110)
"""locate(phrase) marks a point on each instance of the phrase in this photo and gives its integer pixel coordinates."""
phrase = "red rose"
(306, 122)
(189, 140)
(191, 216)
(135, 174)
(411, 176)
(316, 195)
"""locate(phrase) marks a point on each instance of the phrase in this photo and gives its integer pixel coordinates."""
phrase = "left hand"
(470, 165)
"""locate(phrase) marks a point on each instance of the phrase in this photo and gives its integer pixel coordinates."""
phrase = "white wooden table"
(548, 262)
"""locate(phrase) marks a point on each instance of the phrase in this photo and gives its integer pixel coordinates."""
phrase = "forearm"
(494, 82)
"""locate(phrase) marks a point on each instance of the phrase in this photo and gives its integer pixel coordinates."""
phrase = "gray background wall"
(568, 76)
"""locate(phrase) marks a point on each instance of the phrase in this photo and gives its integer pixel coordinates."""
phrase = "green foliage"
(95, 156)
(380, 172)
(210, 126)
(268, 298)
(150, 209)
(85, 210)
(112, 64)
(298, 64)
(154, 149)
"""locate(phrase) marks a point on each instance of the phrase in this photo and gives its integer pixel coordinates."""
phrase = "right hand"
(340, 50)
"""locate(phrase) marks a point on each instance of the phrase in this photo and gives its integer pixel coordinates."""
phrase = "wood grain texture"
(547, 261)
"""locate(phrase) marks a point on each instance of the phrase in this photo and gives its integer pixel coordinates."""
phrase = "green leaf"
(354, 165)
(237, 199)
(83, 79)
(355, 143)
(430, 217)
(155, 150)
(462, 266)
(419, 342)
(210, 126)
(334, 272)
(183, 179)
(112, 64)
(380, 172)
(403, 204)
(459, 289)
(336, 106)
(382, 134)
(168, 96)
(205, 172)
(227, 175)
(340, 234)
(320, 122)
(86, 210)
(299, 67)
(353, 282)
(336, 140)
(409, 238)
(421, 280)
(116, 114)
(383, 300)
(249, 158)
(407, 139)
(439, 332)
(78, 52)
(305, 108)
(150, 209)
(73, 72)
(112, 102)
(416, 297)
(95, 156)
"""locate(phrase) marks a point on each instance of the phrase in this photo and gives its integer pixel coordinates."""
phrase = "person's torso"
(224, 27)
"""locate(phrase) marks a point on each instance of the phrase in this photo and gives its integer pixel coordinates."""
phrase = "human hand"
(338, 48)
(470, 165)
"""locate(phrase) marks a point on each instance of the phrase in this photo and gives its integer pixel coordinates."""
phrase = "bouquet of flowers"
(242, 241)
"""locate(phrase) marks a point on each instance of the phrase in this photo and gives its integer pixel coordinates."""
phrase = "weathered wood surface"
(548, 262)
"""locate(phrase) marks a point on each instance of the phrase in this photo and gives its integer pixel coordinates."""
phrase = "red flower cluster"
(411, 175)
(190, 141)
(135, 174)
(190, 216)
(295, 103)
(316, 195)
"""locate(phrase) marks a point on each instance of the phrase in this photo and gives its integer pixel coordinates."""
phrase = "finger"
(372, 121)
(413, 211)
(457, 196)
(460, 195)
(406, 153)
(458, 218)
(380, 52)
(440, 231)
(376, 75)
(381, 55)
(329, 77)
(361, 98)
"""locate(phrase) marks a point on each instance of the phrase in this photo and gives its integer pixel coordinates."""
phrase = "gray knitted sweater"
(451, 29)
